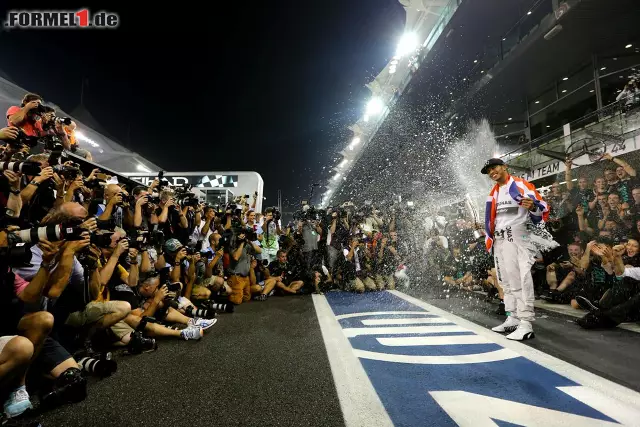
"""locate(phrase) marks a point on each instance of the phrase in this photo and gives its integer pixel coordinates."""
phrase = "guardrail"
(607, 127)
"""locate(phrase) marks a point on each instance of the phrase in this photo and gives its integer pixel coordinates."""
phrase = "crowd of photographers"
(91, 264)
(597, 226)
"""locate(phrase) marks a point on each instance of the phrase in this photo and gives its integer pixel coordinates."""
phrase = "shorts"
(93, 312)
(121, 329)
(51, 355)
(127, 296)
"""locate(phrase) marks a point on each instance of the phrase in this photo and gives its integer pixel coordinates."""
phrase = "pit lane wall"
(238, 183)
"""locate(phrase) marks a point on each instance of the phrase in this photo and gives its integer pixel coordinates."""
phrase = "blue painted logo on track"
(404, 388)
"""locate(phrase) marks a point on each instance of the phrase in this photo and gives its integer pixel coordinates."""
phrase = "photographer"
(144, 215)
(239, 267)
(262, 283)
(271, 235)
(112, 207)
(287, 279)
(36, 119)
(207, 227)
(337, 232)
(358, 271)
(310, 230)
(170, 218)
(387, 262)
(40, 193)
(27, 116)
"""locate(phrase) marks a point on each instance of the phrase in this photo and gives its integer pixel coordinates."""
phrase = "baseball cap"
(172, 245)
(491, 162)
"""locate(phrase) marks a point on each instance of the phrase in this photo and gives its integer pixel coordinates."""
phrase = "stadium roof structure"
(91, 136)
(425, 22)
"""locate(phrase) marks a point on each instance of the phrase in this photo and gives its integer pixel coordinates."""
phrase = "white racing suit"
(514, 255)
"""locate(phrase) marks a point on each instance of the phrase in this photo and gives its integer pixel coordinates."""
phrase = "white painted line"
(604, 404)
(354, 332)
(475, 410)
(361, 406)
(618, 392)
(434, 340)
(408, 321)
(462, 359)
(378, 313)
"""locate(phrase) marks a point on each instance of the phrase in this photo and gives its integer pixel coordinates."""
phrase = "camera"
(26, 168)
(51, 143)
(190, 200)
(52, 233)
(191, 251)
(67, 172)
(153, 199)
(173, 287)
(106, 224)
(101, 240)
(250, 234)
(16, 254)
(23, 139)
(206, 254)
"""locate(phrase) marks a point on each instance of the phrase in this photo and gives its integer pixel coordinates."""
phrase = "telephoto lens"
(51, 233)
(27, 168)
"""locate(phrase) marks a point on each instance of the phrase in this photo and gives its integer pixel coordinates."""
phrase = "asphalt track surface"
(268, 365)
(264, 365)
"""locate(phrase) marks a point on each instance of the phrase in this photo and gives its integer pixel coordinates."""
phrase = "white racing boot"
(524, 331)
(509, 325)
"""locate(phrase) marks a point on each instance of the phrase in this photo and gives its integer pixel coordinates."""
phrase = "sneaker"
(500, 310)
(261, 297)
(17, 403)
(590, 321)
(524, 331)
(192, 333)
(586, 304)
(509, 325)
(202, 323)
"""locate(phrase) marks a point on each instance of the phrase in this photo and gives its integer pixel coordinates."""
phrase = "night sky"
(264, 86)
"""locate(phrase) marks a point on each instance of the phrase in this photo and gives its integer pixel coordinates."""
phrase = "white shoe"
(524, 331)
(202, 323)
(509, 325)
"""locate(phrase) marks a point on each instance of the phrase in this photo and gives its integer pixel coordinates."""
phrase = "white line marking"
(608, 388)
(408, 321)
(361, 406)
(475, 410)
(378, 313)
(434, 340)
(354, 332)
(462, 359)
(604, 404)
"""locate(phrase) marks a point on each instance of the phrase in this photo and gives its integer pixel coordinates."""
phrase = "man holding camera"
(270, 236)
(171, 219)
(239, 267)
(287, 279)
(36, 119)
(112, 207)
(26, 116)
